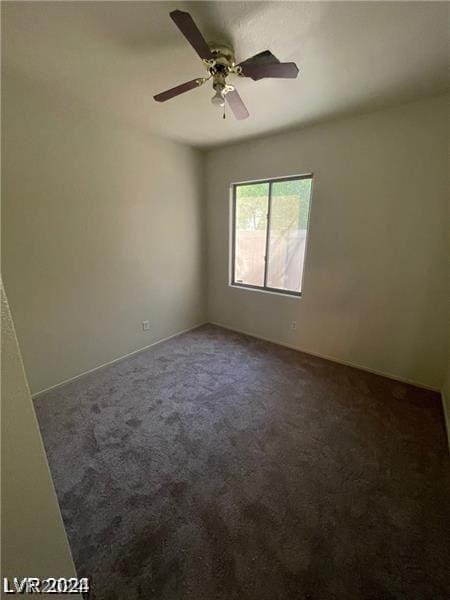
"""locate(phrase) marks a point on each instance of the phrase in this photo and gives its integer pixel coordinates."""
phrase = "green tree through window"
(269, 250)
(253, 199)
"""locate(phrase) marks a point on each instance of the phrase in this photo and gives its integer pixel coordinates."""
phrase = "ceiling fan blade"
(282, 70)
(179, 89)
(191, 32)
(262, 58)
(237, 106)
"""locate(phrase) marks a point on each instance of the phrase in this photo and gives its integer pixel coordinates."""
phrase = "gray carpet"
(215, 466)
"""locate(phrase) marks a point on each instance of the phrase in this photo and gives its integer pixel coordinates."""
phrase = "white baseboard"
(331, 358)
(116, 360)
(273, 341)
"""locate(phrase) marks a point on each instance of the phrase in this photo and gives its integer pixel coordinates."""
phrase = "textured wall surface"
(34, 543)
(102, 229)
(375, 284)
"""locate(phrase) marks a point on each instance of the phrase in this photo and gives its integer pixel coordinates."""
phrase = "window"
(269, 227)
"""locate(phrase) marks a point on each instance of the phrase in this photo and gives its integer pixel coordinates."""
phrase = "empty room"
(225, 300)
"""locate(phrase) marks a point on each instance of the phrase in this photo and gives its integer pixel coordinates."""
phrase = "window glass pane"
(251, 226)
(287, 235)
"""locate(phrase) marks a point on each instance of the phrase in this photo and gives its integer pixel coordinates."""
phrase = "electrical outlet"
(293, 325)
(145, 325)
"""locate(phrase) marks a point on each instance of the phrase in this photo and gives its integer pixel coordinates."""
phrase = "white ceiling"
(114, 56)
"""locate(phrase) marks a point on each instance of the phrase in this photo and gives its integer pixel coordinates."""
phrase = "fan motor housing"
(222, 54)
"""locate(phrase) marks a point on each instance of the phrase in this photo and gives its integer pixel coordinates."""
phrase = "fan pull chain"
(223, 111)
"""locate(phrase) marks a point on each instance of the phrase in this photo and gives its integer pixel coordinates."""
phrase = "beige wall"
(102, 229)
(34, 542)
(375, 272)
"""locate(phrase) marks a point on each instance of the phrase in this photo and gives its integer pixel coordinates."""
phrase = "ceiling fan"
(219, 61)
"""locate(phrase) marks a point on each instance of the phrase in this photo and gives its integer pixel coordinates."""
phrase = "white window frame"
(265, 287)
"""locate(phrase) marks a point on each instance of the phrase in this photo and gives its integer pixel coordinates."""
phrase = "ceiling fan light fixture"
(218, 99)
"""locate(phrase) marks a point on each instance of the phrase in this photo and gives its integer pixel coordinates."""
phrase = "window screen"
(270, 224)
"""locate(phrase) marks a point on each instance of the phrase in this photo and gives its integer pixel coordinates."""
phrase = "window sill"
(274, 292)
